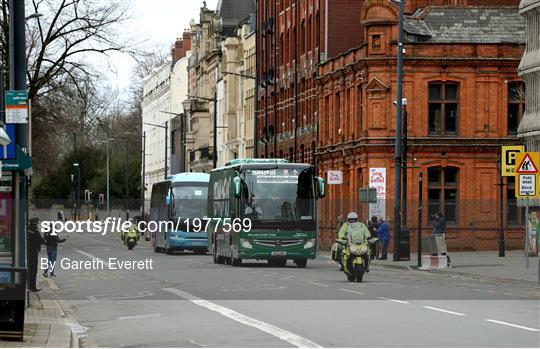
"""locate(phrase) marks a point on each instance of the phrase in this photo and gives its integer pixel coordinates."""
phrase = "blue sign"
(9, 151)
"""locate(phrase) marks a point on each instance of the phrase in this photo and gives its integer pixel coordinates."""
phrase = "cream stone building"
(529, 69)
(237, 90)
(163, 91)
(210, 97)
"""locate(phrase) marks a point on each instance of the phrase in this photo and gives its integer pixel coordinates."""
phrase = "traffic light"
(101, 199)
(87, 196)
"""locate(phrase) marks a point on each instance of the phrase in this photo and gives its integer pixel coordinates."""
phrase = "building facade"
(293, 37)
(207, 87)
(236, 94)
(163, 90)
(464, 101)
(529, 69)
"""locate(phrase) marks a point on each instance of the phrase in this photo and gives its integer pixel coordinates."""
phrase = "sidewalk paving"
(482, 265)
(44, 326)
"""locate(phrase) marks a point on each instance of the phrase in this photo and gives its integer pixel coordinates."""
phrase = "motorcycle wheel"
(359, 272)
(350, 277)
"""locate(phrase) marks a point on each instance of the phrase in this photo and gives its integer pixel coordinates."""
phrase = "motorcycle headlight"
(309, 244)
(245, 243)
(353, 248)
(364, 248)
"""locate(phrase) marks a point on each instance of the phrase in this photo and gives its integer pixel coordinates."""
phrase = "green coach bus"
(263, 209)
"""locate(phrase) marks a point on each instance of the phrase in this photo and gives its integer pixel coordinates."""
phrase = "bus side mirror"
(237, 186)
(322, 187)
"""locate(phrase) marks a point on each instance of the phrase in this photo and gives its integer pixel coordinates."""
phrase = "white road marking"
(513, 325)
(88, 255)
(275, 331)
(443, 310)
(393, 300)
(351, 291)
(142, 316)
(318, 284)
(287, 277)
(89, 238)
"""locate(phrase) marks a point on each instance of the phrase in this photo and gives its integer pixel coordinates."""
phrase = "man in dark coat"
(383, 233)
(34, 241)
(373, 226)
(52, 240)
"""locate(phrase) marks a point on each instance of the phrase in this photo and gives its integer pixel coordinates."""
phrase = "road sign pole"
(527, 231)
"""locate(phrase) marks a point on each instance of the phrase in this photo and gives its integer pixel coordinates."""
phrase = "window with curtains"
(443, 192)
(443, 108)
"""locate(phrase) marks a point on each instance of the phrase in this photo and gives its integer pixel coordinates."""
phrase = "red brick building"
(464, 100)
(306, 32)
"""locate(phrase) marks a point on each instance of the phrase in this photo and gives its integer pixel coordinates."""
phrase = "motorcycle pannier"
(334, 250)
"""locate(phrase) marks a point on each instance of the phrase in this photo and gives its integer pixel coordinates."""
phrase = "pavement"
(482, 265)
(186, 300)
(45, 326)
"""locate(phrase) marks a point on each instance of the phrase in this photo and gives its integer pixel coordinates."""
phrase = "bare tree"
(62, 81)
(59, 44)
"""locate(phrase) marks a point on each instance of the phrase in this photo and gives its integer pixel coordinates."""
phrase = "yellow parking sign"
(509, 156)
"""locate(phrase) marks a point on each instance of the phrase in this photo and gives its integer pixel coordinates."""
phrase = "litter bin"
(12, 302)
(405, 245)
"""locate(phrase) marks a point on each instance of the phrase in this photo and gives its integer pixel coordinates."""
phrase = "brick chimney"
(181, 46)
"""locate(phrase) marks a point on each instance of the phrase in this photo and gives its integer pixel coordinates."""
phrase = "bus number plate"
(278, 253)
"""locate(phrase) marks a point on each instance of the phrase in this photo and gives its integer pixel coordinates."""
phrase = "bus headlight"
(309, 244)
(245, 243)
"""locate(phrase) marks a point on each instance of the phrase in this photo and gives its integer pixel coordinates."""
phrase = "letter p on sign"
(509, 156)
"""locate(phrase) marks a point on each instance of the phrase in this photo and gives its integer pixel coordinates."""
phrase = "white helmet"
(352, 216)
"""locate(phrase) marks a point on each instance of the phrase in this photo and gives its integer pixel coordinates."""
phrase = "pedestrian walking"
(60, 216)
(52, 240)
(34, 240)
(439, 224)
(373, 226)
(438, 237)
(383, 233)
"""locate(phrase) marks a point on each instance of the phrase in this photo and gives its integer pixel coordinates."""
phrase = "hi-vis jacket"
(357, 231)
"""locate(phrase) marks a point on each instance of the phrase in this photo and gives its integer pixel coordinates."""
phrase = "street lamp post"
(502, 242)
(77, 189)
(143, 174)
(126, 180)
(404, 166)
(398, 147)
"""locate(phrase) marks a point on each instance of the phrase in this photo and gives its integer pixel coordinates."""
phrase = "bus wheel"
(236, 262)
(215, 256)
(156, 249)
(301, 263)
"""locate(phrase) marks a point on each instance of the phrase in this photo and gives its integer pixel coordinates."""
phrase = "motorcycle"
(337, 252)
(355, 259)
(130, 238)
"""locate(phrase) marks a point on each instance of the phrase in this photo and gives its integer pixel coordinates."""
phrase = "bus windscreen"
(190, 200)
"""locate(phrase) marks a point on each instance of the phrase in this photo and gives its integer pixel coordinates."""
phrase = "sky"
(158, 23)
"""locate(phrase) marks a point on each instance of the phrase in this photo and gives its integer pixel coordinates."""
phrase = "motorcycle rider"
(355, 231)
(132, 227)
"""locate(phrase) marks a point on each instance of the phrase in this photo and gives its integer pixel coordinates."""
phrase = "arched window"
(516, 105)
(443, 192)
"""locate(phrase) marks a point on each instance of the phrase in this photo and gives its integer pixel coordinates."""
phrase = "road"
(187, 301)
